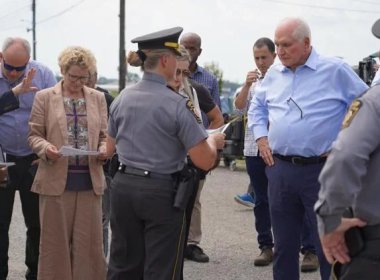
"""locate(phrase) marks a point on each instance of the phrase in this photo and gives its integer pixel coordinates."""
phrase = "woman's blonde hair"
(76, 55)
(185, 55)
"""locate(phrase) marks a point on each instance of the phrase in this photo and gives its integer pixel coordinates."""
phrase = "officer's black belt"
(371, 232)
(145, 173)
(302, 160)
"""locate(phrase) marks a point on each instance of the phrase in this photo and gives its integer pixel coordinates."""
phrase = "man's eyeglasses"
(11, 68)
(75, 78)
(184, 72)
(295, 103)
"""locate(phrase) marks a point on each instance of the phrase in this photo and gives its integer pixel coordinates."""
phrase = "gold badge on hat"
(354, 109)
(191, 108)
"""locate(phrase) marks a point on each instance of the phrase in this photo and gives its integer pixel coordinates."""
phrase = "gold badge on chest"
(191, 108)
(354, 109)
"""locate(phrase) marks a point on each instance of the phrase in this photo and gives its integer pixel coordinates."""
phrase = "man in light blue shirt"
(304, 101)
(15, 63)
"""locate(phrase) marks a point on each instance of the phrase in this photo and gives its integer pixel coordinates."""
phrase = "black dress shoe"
(196, 254)
(30, 275)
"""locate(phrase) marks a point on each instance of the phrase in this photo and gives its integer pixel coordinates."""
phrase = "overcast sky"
(228, 28)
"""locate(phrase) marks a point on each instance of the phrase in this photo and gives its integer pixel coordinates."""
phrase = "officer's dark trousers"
(366, 265)
(20, 178)
(293, 191)
(256, 171)
(189, 210)
(147, 232)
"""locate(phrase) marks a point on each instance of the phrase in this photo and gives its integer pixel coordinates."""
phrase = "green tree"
(213, 67)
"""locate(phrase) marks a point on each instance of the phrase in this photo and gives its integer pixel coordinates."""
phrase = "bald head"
(16, 41)
(190, 36)
(15, 54)
(192, 43)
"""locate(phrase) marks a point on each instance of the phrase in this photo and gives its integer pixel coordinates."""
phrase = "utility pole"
(122, 63)
(34, 28)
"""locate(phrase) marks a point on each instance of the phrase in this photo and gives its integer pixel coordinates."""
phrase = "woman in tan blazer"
(70, 187)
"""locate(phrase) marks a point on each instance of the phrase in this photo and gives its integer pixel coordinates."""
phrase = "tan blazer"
(48, 125)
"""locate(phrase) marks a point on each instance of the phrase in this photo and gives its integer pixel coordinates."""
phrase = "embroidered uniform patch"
(191, 108)
(354, 109)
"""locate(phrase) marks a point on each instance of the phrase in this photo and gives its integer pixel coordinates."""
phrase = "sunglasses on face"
(13, 68)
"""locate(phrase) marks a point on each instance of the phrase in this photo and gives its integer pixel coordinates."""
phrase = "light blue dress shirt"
(14, 127)
(305, 108)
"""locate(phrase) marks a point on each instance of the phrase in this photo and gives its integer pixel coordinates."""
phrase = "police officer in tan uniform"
(153, 129)
(348, 206)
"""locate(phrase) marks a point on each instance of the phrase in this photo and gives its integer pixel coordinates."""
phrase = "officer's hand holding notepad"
(6, 164)
(70, 151)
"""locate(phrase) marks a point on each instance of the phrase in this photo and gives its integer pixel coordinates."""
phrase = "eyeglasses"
(295, 103)
(183, 72)
(74, 78)
(14, 68)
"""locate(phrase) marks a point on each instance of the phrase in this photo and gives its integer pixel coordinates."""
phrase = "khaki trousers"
(195, 232)
(71, 244)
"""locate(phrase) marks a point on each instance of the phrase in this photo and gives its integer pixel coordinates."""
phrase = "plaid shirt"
(204, 77)
(250, 146)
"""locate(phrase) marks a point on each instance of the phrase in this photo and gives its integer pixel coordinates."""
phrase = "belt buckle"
(296, 160)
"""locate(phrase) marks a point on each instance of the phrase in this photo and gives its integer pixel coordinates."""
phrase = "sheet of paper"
(6, 164)
(70, 151)
(223, 128)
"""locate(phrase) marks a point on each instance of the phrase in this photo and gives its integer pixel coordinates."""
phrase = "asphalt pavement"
(229, 237)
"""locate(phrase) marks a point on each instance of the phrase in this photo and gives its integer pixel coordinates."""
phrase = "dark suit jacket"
(8, 102)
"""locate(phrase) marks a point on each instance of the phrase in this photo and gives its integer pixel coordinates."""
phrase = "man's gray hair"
(302, 30)
(12, 40)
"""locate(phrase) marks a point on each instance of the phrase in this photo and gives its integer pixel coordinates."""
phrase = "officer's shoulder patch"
(354, 109)
(190, 106)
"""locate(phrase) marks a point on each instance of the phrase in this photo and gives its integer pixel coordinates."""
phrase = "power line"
(13, 27)
(368, 2)
(14, 11)
(61, 12)
(325, 7)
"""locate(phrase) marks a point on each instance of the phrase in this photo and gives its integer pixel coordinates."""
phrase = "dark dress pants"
(293, 191)
(258, 178)
(20, 178)
(147, 231)
(259, 182)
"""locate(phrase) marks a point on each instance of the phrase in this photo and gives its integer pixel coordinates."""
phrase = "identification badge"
(191, 108)
(354, 109)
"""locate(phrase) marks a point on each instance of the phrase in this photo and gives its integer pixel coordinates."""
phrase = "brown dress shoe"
(265, 258)
(310, 262)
